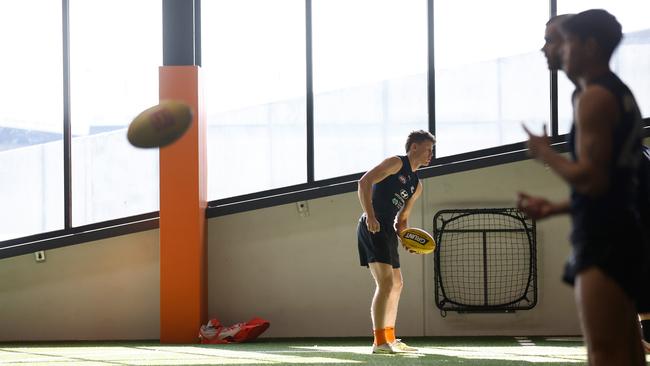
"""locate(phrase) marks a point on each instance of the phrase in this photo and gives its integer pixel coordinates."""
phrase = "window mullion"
(67, 130)
(310, 94)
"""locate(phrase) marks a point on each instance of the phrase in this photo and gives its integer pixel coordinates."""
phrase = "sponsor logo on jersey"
(402, 179)
(412, 189)
(398, 201)
(404, 193)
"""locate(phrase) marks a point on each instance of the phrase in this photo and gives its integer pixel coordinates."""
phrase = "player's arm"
(401, 221)
(375, 175)
(596, 114)
(596, 110)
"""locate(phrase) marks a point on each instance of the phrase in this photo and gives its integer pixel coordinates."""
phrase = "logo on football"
(415, 237)
(417, 241)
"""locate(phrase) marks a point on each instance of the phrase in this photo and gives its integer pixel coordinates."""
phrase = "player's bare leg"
(608, 320)
(391, 315)
(383, 275)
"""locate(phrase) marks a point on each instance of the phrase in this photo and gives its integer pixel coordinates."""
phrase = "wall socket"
(40, 256)
(303, 208)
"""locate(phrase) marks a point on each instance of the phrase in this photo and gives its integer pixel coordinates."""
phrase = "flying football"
(160, 125)
(417, 241)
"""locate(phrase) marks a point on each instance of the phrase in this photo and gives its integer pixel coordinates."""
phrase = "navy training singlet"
(594, 217)
(392, 193)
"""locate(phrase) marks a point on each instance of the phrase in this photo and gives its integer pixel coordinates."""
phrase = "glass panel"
(115, 52)
(631, 61)
(31, 118)
(253, 54)
(370, 83)
(490, 74)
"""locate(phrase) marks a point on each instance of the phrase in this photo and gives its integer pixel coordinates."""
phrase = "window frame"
(174, 51)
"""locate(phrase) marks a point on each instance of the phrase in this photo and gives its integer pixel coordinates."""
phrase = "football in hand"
(417, 241)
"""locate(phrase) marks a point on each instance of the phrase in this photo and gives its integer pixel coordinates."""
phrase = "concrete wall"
(301, 273)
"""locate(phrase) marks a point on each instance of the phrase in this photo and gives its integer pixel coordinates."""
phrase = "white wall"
(106, 289)
(300, 273)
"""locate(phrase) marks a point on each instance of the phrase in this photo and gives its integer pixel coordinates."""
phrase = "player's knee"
(385, 286)
(397, 286)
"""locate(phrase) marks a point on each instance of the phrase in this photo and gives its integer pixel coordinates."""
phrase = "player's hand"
(372, 224)
(404, 246)
(534, 207)
(536, 143)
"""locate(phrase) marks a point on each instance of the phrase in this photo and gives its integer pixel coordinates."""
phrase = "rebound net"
(485, 260)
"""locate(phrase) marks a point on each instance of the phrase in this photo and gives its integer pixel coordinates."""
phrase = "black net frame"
(485, 260)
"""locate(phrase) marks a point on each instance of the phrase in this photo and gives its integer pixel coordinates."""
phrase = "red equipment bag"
(215, 333)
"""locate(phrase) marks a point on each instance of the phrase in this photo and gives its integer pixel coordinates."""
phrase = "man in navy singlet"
(609, 254)
(387, 193)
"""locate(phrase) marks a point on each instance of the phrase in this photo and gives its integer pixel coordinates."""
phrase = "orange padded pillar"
(183, 200)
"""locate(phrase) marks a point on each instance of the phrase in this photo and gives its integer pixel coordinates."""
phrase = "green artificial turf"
(483, 351)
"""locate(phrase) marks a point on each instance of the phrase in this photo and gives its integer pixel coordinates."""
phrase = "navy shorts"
(378, 247)
(625, 258)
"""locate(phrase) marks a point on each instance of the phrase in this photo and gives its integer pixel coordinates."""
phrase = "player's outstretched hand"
(536, 143)
(535, 207)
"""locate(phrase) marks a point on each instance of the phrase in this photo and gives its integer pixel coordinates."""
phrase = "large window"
(490, 74)
(365, 62)
(631, 61)
(370, 81)
(253, 55)
(31, 148)
(115, 52)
